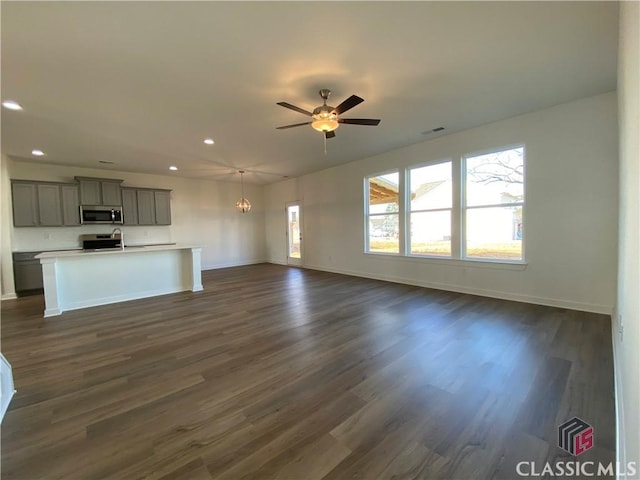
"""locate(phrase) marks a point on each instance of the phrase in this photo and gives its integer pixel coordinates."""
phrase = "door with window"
(294, 233)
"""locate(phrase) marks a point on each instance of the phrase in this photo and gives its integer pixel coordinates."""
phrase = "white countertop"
(114, 251)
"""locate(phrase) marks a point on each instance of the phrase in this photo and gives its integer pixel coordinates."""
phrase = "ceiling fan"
(327, 118)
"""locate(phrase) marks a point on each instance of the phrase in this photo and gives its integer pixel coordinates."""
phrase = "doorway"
(294, 233)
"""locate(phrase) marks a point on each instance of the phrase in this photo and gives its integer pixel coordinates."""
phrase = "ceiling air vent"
(433, 130)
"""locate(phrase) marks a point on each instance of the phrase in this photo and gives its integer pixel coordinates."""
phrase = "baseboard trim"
(550, 302)
(9, 296)
(77, 305)
(216, 266)
(278, 263)
(621, 456)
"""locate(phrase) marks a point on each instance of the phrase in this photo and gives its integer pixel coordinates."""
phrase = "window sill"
(454, 262)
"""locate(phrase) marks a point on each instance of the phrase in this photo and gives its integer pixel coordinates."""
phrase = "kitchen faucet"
(113, 235)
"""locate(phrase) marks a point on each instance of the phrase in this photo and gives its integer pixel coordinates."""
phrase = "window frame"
(368, 214)
(458, 214)
(409, 211)
(464, 208)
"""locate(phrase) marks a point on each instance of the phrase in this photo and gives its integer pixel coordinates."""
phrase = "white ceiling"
(141, 84)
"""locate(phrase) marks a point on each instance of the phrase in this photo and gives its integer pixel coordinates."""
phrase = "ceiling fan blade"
(330, 134)
(294, 125)
(360, 121)
(293, 107)
(348, 104)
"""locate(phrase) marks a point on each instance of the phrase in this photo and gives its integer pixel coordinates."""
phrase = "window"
(430, 210)
(469, 208)
(383, 213)
(494, 198)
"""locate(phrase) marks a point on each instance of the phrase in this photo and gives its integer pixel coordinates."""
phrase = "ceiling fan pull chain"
(325, 144)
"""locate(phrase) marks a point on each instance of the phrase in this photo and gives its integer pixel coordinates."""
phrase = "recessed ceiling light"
(37, 153)
(173, 168)
(209, 141)
(11, 105)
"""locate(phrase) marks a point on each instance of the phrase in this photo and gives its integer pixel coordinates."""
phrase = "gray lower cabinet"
(27, 272)
(25, 204)
(45, 204)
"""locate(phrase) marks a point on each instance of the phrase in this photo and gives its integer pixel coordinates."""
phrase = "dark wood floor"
(276, 372)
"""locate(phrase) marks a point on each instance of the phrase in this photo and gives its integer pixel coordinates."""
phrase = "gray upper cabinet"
(70, 204)
(100, 191)
(90, 193)
(162, 200)
(49, 205)
(129, 206)
(111, 193)
(45, 204)
(146, 207)
(25, 204)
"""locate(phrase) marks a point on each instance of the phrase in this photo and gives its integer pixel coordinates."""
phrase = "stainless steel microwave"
(100, 214)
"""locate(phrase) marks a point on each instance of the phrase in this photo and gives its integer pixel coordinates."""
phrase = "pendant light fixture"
(243, 204)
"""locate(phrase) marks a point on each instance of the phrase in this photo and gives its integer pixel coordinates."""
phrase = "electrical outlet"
(621, 333)
(620, 327)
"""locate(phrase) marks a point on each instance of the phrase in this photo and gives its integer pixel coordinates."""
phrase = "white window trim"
(407, 176)
(453, 262)
(464, 208)
(367, 215)
(458, 216)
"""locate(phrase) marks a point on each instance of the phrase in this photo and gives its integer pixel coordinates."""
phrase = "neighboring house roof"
(382, 191)
(426, 188)
(510, 198)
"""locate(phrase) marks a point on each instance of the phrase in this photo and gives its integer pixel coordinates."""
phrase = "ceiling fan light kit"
(326, 118)
(325, 122)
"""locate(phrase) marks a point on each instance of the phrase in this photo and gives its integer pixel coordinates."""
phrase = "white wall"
(276, 197)
(6, 260)
(570, 215)
(627, 339)
(203, 213)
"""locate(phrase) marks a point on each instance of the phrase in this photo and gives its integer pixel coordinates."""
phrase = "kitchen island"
(76, 279)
